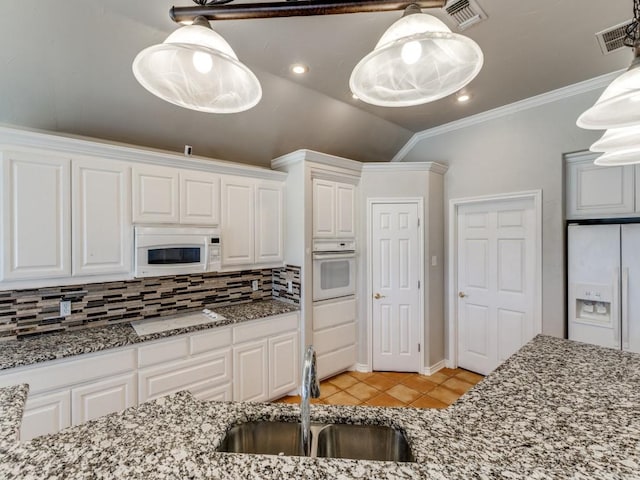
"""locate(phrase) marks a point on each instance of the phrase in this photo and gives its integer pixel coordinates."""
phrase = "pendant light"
(618, 109)
(417, 60)
(197, 69)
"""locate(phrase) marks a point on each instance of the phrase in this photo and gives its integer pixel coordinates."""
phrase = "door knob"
(462, 294)
(377, 296)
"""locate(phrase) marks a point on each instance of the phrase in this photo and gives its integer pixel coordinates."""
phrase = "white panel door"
(199, 198)
(593, 262)
(345, 211)
(238, 227)
(283, 364)
(36, 212)
(102, 232)
(496, 281)
(395, 276)
(102, 397)
(324, 208)
(251, 372)
(155, 194)
(45, 414)
(630, 287)
(269, 226)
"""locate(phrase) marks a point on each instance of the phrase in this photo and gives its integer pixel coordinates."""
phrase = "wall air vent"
(612, 38)
(465, 13)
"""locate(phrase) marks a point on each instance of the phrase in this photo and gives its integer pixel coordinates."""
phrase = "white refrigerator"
(604, 285)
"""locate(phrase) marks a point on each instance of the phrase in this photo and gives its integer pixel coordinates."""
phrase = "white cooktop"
(162, 324)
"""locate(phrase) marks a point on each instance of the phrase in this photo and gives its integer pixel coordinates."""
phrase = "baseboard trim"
(434, 368)
(361, 367)
(450, 363)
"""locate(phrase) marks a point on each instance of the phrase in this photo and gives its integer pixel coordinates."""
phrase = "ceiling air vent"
(612, 38)
(465, 13)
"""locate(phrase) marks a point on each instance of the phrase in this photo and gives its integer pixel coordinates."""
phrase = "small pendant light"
(417, 60)
(197, 69)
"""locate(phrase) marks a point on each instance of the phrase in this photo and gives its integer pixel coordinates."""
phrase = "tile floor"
(394, 389)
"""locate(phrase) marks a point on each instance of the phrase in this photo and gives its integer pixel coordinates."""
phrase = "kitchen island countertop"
(556, 409)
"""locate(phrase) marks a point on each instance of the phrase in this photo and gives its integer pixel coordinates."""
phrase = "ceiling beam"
(238, 11)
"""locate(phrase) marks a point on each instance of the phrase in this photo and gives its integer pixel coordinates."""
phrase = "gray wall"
(517, 152)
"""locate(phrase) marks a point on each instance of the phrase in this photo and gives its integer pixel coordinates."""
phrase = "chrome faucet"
(310, 389)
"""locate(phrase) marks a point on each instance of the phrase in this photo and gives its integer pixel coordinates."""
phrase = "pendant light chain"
(632, 32)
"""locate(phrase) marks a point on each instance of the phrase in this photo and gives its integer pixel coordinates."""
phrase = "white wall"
(517, 152)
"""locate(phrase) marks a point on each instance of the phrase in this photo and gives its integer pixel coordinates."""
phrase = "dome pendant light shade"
(621, 157)
(617, 139)
(619, 104)
(196, 68)
(417, 60)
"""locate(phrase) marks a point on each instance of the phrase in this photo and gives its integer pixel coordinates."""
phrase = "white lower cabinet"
(251, 379)
(103, 397)
(334, 336)
(45, 414)
(283, 364)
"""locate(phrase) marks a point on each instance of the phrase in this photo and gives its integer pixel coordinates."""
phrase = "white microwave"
(176, 250)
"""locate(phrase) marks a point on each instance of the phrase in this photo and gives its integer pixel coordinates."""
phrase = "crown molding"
(519, 106)
(318, 158)
(406, 167)
(53, 142)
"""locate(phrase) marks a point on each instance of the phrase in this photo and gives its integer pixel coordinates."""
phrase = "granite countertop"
(52, 346)
(12, 401)
(556, 409)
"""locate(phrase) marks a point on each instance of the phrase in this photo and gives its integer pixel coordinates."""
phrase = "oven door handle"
(334, 255)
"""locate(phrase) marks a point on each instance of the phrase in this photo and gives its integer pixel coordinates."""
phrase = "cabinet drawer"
(336, 362)
(70, 372)
(196, 373)
(334, 313)
(163, 351)
(257, 330)
(103, 397)
(45, 414)
(222, 393)
(214, 339)
(334, 338)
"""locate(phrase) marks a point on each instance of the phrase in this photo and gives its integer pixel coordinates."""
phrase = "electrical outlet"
(254, 285)
(289, 286)
(65, 308)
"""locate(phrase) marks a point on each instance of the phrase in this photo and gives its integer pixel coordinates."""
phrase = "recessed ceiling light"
(464, 97)
(299, 68)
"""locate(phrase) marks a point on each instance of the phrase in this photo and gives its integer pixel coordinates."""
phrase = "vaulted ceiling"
(66, 67)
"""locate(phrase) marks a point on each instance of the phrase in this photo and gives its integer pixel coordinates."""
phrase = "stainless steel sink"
(267, 438)
(363, 442)
(360, 442)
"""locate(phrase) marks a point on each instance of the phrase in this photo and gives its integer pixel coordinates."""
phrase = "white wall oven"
(176, 250)
(334, 269)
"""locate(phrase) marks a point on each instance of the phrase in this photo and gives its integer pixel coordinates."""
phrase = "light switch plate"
(289, 286)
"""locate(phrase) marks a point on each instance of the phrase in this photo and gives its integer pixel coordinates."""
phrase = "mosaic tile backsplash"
(36, 311)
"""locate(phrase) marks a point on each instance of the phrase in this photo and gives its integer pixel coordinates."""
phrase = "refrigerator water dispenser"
(593, 304)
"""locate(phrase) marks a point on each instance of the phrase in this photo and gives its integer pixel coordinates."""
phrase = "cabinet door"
(250, 372)
(103, 397)
(324, 208)
(345, 211)
(594, 191)
(45, 414)
(269, 224)
(199, 198)
(222, 393)
(102, 233)
(36, 216)
(283, 364)
(237, 221)
(195, 374)
(155, 194)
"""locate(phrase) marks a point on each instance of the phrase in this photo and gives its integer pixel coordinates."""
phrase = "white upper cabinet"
(333, 209)
(345, 208)
(156, 196)
(269, 241)
(36, 216)
(101, 209)
(238, 207)
(596, 191)
(199, 198)
(252, 221)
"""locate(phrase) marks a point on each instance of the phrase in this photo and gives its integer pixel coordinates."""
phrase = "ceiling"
(66, 67)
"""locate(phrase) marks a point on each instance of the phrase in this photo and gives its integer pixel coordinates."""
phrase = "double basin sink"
(360, 442)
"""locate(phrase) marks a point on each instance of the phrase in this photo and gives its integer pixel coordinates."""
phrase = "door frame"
(371, 201)
(452, 263)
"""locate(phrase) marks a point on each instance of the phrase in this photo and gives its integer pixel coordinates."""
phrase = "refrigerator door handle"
(615, 313)
(625, 308)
